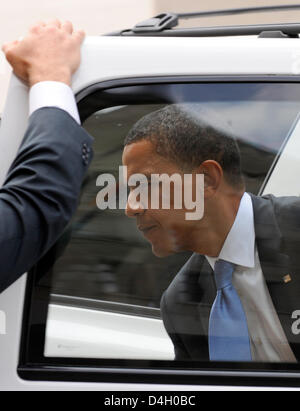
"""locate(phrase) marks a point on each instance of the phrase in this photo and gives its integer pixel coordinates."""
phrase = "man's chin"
(161, 253)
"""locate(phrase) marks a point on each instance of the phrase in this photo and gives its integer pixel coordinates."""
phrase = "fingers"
(8, 46)
(79, 36)
(4, 47)
(55, 23)
(67, 26)
(36, 27)
(49, 51)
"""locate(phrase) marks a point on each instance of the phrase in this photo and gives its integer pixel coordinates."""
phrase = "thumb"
(8, 46)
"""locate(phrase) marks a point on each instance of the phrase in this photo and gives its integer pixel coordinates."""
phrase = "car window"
(104, 281)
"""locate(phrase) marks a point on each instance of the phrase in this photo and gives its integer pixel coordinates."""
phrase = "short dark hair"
(181, 135)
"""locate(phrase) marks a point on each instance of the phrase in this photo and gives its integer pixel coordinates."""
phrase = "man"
(237, 297)
(41, 190)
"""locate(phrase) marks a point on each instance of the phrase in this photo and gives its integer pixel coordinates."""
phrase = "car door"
(88, 315)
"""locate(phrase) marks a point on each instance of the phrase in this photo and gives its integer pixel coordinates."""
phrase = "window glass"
(105, 282)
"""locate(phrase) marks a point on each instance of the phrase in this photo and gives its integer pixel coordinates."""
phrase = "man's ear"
(213, 176)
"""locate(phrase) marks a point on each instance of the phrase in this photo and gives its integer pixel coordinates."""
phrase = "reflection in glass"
(102, 257)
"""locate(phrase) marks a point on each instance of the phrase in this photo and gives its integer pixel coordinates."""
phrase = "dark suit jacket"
(41, 190)
(187, 303)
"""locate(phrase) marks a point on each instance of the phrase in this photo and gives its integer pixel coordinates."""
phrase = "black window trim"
(86, 93)
(34, 367)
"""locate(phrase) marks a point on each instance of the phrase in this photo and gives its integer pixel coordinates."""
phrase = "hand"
(49, 52)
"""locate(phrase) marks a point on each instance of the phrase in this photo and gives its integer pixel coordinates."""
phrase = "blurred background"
(101, 16)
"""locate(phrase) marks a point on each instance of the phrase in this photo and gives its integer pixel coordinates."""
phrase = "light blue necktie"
(228, 329)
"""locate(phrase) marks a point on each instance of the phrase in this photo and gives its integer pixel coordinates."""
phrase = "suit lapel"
(197, 295)
(276, 264)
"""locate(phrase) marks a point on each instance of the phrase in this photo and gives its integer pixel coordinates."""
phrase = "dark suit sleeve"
(181, 353)
(41, 190)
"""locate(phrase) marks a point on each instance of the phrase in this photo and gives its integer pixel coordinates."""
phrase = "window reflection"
(104, 257)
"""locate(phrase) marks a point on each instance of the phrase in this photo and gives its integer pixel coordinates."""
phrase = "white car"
(87, 316)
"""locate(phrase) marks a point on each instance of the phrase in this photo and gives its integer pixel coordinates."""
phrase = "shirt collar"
(239, 247)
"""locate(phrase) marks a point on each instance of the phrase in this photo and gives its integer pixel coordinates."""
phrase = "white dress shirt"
(268, 340)
(53, 94)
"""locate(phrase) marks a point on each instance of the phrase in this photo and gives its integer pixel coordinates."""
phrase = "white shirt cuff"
(53, 94)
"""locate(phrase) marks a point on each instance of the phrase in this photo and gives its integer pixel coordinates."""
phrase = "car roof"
(166, 25)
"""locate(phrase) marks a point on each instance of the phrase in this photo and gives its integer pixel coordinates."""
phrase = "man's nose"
(134, 208)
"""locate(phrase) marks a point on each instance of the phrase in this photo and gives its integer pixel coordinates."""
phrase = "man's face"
(167, 230)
